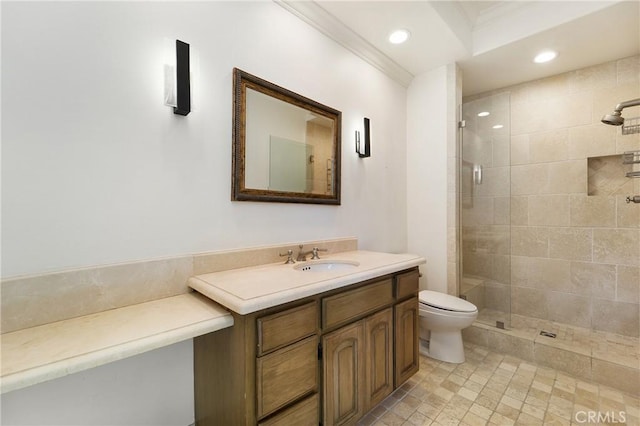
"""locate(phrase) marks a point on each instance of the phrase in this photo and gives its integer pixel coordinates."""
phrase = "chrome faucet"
(302, 255)
(314, 252)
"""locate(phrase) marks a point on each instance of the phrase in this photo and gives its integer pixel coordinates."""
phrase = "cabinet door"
(406, 340)
(344, 372)
(378, 356)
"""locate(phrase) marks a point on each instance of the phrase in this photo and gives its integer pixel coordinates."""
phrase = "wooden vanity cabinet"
(326, 359)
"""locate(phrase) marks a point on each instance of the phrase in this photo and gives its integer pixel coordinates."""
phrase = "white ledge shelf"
(50, 351)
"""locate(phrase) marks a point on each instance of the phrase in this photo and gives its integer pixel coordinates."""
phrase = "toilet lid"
(445, 301)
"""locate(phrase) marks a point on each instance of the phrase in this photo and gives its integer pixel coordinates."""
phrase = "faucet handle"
(289, 253)
(314, 252)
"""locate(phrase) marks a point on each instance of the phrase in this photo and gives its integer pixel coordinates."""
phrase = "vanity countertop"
(247, 290)
(34, 355)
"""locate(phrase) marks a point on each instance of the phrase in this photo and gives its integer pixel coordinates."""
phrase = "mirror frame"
(243, 80)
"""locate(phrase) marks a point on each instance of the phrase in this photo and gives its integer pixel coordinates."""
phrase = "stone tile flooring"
(494, 389)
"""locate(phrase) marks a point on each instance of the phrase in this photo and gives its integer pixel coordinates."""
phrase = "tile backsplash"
(41, 299)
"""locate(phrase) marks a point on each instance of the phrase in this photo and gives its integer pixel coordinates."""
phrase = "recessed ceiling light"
(498, 126)
(484, 114)
(545, 56)
(399, 36)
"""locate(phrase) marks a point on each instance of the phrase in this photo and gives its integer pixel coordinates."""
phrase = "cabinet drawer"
(283, 328)
(286, 375)
(354, 303)
(304, 413)
(407, 284)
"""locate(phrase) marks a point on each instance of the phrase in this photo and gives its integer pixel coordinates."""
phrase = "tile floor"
(494, 389)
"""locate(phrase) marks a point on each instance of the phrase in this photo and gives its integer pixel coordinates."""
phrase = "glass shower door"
(485, 208)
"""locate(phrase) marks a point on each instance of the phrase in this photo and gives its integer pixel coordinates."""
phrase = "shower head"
(615, 118)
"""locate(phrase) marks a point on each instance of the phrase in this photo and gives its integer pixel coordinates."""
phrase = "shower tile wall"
(575, 258)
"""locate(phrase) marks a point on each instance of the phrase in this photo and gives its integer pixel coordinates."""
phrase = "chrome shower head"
(614, 119)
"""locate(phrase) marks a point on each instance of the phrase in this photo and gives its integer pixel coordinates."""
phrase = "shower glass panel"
(485, 208)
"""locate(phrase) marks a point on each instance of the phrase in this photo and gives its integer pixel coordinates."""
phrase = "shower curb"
(554, 353)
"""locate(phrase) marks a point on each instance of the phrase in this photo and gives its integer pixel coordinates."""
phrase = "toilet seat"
(445, 302)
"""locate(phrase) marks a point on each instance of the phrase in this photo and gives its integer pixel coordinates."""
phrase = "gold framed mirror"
(286, 147)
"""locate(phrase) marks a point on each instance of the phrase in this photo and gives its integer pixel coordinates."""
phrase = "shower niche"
(610, 175)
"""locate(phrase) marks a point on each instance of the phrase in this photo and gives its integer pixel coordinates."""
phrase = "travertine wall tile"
(548, 146)
(570, 243)
(529, 241)
(481, 213)
(594, 140)
(616, 317)
(628, 214)
(555, 86)
(628, 70)
(495, 183)
(628, 284)
(501, 151)
(529, 302)
(520, 271)
(593, 211)
(549, 210)
(501, 211)
(519, 149)
(595, 279)
(452, 175)
(519, 211)
(551, 274)
(568, 177)
(42, 299)
(595, 77)
(570, 309)
(452, 278)
(530, 179)
(501, 269)
(477, 264)
(619, 246)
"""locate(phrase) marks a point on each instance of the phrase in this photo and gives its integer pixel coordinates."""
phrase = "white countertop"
(246, 290)
(37, 354)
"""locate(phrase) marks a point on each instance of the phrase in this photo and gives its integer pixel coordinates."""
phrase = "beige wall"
(575, 258)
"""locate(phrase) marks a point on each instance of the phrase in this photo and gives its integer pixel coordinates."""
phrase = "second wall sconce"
(178, 78)
(363, 148)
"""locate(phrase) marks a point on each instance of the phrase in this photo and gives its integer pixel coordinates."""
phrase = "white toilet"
(442, 318)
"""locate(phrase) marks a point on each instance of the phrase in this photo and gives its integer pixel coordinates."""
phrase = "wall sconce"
(363, 148)
(177, 78)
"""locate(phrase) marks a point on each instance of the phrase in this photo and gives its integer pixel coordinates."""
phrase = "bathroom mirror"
(286, 148)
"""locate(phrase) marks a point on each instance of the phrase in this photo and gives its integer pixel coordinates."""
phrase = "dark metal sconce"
(364, 148)
(183, 80)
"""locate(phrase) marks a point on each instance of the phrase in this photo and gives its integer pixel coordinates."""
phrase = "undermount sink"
(326, 266)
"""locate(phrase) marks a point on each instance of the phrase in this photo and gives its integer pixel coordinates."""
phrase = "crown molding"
(313, 14)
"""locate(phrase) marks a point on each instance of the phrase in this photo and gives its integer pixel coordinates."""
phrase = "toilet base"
(444, 346)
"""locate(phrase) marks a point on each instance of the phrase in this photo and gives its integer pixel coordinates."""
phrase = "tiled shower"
(549, 242)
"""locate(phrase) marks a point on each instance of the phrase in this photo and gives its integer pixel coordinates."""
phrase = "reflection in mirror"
(286, 147)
